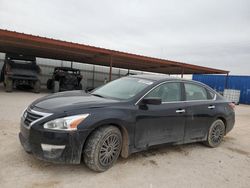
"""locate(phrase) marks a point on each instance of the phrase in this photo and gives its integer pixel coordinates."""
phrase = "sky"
(208, 33)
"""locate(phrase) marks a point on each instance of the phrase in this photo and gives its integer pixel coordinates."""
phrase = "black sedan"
(127, 115)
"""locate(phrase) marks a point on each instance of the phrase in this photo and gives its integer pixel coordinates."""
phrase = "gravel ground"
(191, 165)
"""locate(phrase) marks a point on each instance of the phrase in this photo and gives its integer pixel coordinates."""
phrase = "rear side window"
(167, 92)
(210, 94)
(195, 92)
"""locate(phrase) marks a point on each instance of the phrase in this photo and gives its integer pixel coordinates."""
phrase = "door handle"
(211, 107)
(180, 111)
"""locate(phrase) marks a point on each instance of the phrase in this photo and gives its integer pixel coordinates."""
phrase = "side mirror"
(154, 101)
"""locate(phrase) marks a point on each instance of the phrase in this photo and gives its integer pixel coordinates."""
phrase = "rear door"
(164, 123)
(200, 111)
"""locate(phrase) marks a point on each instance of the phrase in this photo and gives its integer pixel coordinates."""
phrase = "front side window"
(195, 92)
(167, 92)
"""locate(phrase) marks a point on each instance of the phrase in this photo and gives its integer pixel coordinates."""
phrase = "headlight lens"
(24, 113)
(67, 123)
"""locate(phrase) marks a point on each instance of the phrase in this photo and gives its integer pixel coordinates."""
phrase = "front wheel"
(56, 87)
(49, 84)
(79, 87)
(37, 86)
(215, 134)
(8, 84)
(103, 148)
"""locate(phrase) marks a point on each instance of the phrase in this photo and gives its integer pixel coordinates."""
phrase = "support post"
(110, 68)
(182, 72)
(226, 81)
(93, 77)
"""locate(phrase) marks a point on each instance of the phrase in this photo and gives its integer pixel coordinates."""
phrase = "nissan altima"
(124, 116)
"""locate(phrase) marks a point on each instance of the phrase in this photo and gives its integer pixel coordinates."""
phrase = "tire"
(215, 134)
(79, 87)
(8, 85)
(56, 87)
(37, 86)
(104, 141)
(49, 84)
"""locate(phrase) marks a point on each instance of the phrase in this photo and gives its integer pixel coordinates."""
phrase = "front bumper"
(53, 146)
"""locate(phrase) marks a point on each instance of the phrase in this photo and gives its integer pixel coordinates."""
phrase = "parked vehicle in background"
(65, 79)
(20, 70)
(124, 116)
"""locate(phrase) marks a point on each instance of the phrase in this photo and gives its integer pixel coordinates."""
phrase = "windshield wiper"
(97, 95)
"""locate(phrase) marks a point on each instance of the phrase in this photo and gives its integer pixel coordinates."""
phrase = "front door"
(164, 123)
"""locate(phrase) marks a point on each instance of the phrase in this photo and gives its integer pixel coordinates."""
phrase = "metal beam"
(182, 72)
(226, 81)
(110, 68)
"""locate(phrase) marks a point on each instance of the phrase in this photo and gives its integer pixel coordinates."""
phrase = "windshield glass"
(123, 88)
(18, 61)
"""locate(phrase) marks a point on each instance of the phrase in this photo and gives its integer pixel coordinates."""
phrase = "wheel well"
(125, 139)
(224, 121)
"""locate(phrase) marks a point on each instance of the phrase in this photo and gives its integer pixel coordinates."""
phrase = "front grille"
(30, 117)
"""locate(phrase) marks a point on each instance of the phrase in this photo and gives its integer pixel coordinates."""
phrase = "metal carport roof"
(56, 49)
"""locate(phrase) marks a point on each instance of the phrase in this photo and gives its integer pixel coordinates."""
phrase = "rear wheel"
(37, 86)
(103, 148)
(215, 134)
(8, 85)
(49, 84)
(56, 86)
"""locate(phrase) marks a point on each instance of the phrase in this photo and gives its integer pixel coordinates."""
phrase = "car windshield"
(18, 61)
(123, 88)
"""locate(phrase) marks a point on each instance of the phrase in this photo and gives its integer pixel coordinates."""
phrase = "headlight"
(67, 123)
(24, 113)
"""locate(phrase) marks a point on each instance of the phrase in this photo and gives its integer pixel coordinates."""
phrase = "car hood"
(70, 100)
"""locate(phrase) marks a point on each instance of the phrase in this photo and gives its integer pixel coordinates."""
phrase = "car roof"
(161, 77)
(155, 77)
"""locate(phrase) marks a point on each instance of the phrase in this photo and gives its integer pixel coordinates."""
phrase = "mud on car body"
(127, 115)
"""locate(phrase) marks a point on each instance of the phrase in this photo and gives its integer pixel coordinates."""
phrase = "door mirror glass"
(154, 101)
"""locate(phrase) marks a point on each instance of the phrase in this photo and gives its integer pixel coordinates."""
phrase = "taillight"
(232, 105)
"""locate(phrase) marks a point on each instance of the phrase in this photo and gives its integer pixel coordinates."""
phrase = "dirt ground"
(192, 165)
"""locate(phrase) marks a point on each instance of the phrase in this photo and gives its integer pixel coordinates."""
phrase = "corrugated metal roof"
(56, 49)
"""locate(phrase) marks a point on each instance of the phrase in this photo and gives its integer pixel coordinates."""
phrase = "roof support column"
(93, 77)
(182, 72)
(226, 81)
(110, 67)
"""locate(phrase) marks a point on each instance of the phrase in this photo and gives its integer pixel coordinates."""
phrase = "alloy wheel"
(109, 150)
